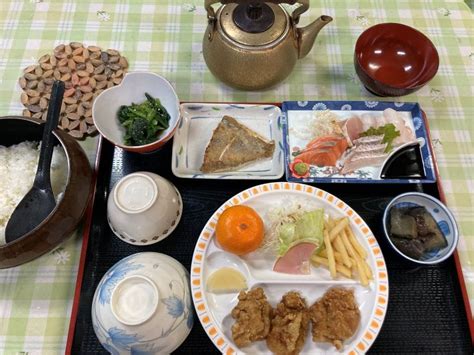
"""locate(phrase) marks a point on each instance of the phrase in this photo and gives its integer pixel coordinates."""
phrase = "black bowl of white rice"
(71, 180)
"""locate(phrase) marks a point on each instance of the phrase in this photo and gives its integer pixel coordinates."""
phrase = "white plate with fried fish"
(228, 141)
(345, 311)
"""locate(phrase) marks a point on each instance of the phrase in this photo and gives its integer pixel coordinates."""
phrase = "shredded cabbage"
(292, 225)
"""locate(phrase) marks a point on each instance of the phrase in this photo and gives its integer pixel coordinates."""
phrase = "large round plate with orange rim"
(214, 310)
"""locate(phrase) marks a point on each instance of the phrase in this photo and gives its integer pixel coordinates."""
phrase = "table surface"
(165, 37)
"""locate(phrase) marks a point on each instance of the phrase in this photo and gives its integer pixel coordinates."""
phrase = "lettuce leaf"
(286, 236)
(307, 228)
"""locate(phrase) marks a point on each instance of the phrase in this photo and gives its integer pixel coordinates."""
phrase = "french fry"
(360, 250)
(327, 225)
(348, 246)
(361, 271)
(330, 222)
(339, 260)
(332, 261)
(358, 265)
(342, 253)
(339, 267)
(355, 243)
(368, 270)
(338, 228)
(339, 246)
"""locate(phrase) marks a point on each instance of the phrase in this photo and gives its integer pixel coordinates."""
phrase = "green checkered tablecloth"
(165, 37)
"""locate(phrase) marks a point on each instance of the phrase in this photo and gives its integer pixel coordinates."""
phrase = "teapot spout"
(307, 35)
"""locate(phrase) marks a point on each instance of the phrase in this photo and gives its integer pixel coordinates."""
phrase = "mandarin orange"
(239, 230)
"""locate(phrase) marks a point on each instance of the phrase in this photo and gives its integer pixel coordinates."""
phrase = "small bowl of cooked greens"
(139, 115)
(420, 228)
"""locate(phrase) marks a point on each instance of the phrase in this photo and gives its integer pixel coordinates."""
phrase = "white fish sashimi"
(380, 121)
(369, 140)
(368, 120)
(361, 160)
(367, 151)
(352, 128)
(406, 134)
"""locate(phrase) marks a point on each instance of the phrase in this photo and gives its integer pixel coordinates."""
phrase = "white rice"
(18, 165)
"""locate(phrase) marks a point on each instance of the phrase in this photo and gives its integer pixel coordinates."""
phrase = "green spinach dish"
(143, 122)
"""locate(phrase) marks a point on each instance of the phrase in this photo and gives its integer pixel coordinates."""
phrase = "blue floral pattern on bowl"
(112, 278)
(171, 322)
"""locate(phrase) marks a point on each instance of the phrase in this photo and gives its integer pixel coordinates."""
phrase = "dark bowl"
(67, 214)
(392, 59)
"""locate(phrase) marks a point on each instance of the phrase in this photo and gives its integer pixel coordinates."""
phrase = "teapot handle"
(211, 14)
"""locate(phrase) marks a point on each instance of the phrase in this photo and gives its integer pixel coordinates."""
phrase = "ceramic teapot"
(253, 45)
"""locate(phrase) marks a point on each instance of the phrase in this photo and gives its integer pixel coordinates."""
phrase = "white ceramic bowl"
(143, 208)
(441, 214)
(133, 89)
(143, 305)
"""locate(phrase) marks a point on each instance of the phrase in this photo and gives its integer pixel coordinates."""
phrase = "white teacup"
(143, 208)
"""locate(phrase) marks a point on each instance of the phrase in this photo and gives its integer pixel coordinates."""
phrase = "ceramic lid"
(274, 24)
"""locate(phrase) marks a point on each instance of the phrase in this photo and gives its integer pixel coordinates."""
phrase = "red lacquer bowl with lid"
(392, 59)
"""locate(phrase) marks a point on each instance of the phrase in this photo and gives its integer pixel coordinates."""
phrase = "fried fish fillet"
(252, 315)
(335, 317)
(289, 325)
(233, 145)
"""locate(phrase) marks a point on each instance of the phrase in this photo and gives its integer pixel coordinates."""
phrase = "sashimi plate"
(214, 310)
(366, 139)
(198, 121)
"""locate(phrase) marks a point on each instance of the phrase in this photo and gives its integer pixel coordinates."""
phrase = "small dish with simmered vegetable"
(420, 228)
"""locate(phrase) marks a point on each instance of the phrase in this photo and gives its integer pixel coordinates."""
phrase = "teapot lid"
(253, 24)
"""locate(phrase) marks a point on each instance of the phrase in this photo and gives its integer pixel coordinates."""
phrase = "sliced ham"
(296, 261)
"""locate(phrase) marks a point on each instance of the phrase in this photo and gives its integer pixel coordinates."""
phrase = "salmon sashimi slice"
(318, 140)
(324, 151)
(320, 157)
(339, 142)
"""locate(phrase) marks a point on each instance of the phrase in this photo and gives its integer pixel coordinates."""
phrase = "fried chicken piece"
(252, 315)
(289, 325)
(335, 317)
